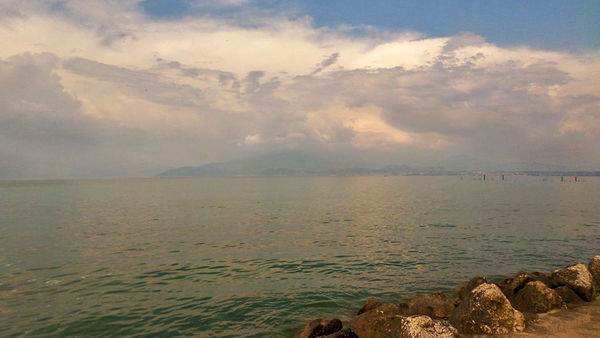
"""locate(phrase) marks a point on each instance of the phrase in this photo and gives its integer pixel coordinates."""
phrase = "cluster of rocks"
(480, 307)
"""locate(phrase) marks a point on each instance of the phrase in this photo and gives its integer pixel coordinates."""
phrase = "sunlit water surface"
(257, 256)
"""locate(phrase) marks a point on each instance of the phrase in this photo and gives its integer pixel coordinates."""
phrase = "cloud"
(252, 139)
(111, 91)
(37, 117)
(332, 59)
(466, 39)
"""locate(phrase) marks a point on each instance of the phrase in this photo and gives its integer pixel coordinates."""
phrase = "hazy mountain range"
(302, 163)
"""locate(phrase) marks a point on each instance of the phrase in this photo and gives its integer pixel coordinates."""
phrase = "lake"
(258, 256)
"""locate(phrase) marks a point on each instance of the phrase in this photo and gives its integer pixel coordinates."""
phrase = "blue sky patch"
(549, 24)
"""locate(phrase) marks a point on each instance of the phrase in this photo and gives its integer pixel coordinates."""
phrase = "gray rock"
(435, 306)
(536, 297)
(319, 327)
(470, 285)
(578, 278)
(594, 268)
(485, 310)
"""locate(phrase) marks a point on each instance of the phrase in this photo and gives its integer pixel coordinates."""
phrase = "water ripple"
(257, 257)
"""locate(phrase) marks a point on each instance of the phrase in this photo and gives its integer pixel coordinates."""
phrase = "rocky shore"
(480, 307)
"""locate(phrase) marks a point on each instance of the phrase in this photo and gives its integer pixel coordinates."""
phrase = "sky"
(126, 88)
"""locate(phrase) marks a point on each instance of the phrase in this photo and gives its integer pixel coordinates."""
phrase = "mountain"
(300, 163)
(295, 163)
(283, 163)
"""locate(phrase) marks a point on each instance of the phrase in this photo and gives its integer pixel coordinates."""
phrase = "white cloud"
(202, 88)
(253, 139)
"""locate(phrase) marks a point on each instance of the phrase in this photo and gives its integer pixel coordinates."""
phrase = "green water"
(260, 255)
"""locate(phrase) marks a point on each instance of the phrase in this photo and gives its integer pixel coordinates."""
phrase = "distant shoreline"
(211, 171)
(446, 174)
(478, 173)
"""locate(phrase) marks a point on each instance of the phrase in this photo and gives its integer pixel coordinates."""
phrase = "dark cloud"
(503, 111)
(224, 78)
(37, 117)
(253, 81)
(34, 105)
(45, 133)
(8, 12)
(141, 83)
(108, 35)
(332, 59)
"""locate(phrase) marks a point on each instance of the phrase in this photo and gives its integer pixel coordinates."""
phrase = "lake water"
(258, 256)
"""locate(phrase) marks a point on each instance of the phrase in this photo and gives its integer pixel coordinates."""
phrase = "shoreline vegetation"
(528, 304)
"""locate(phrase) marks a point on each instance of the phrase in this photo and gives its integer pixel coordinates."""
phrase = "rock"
(568, 295)
(435, 306)
(374, 324)
(536, 297)
(381, 321)
(594, 268)
(543, 277)
(577, 277)
(511, 286)
(370, 304)
(319, 327)
(425, 327)
(343, 333)
(470, 285)
(485, 310)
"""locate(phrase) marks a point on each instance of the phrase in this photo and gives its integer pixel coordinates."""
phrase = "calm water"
(259, 256)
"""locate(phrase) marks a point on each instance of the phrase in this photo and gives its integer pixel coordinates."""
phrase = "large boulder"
(466, 288)
(435, 306)
(536, 297)
(319, 327)
(485, 310)
(594, 268)
(577, 277)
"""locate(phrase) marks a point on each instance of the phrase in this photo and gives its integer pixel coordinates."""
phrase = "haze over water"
(260, 255)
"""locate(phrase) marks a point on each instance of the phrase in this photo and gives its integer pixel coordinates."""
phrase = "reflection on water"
(258, 256)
